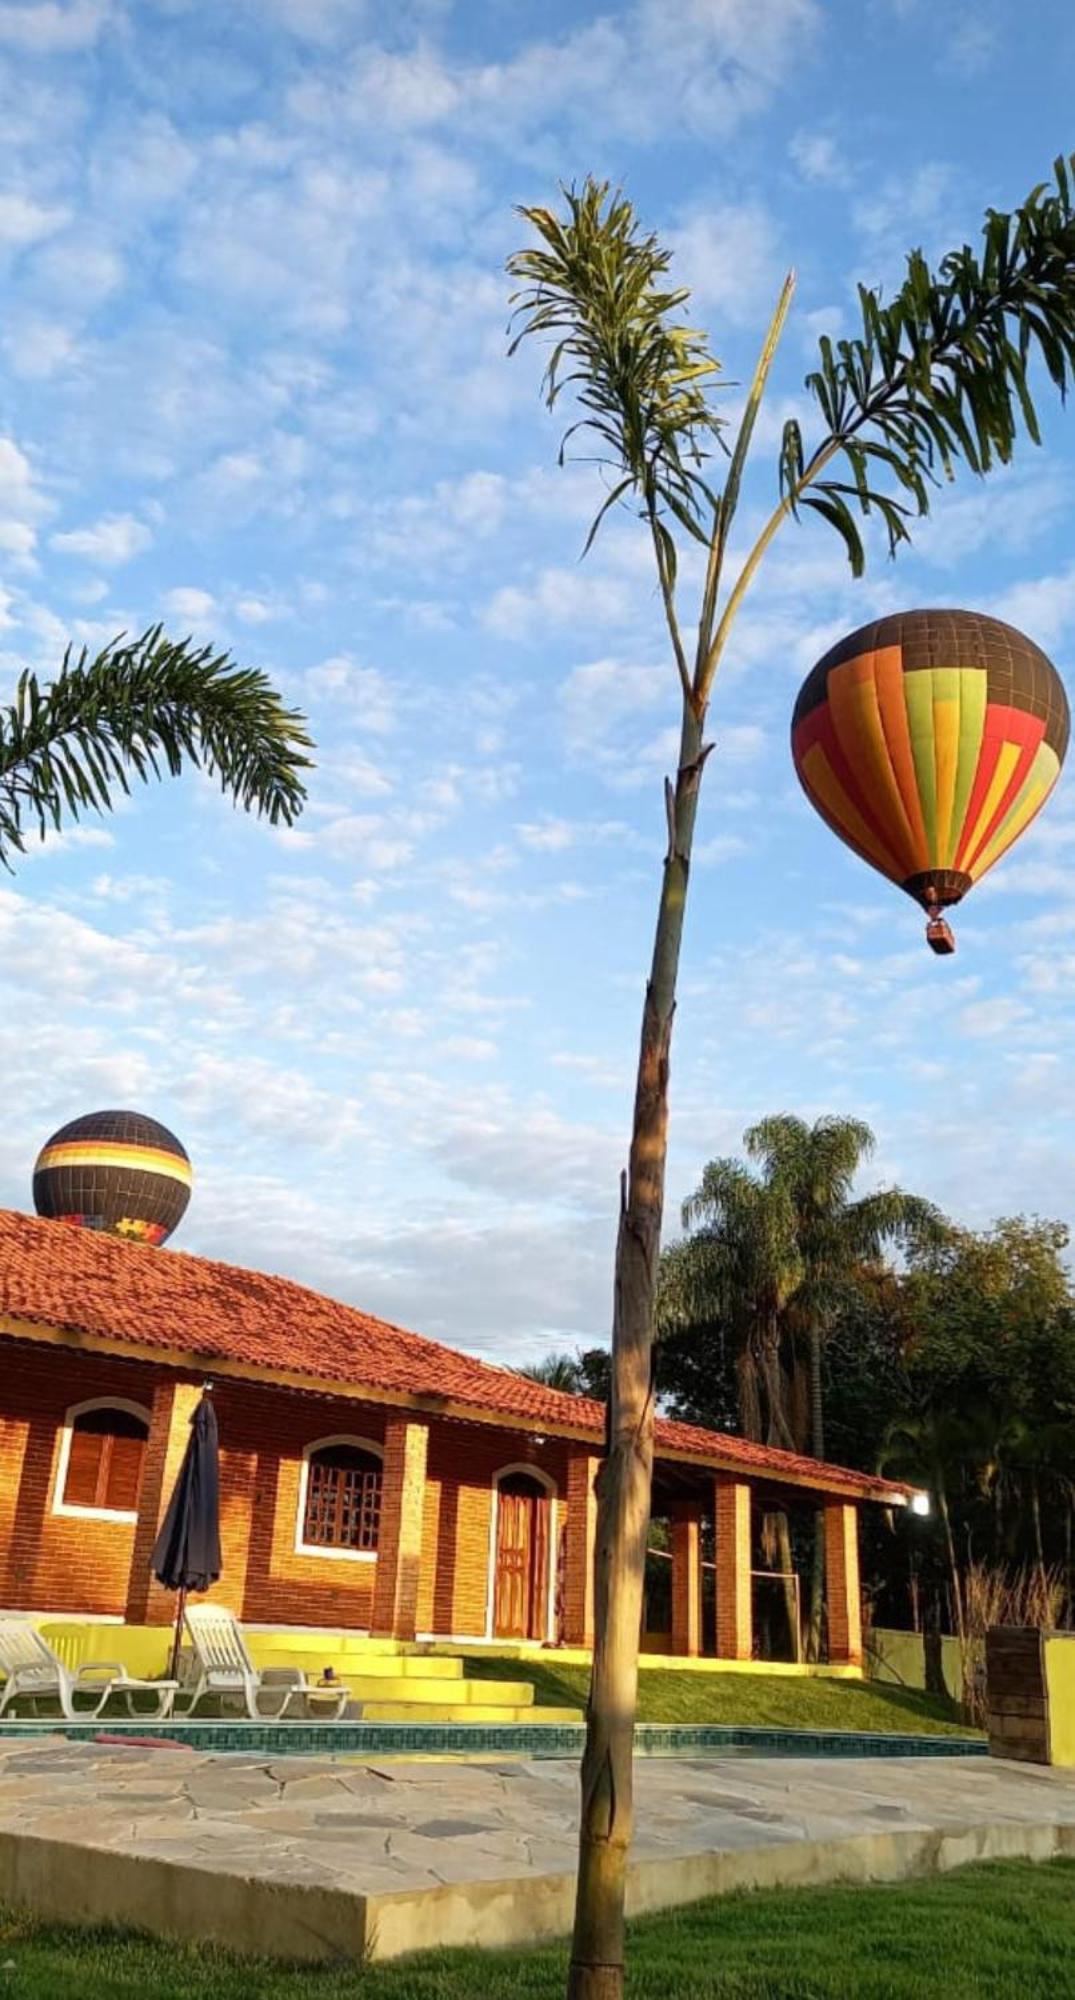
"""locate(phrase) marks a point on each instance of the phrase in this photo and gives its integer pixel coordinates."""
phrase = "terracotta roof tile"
(55, 1275)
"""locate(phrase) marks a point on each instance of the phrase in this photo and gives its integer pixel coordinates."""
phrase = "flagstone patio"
(337, 1856)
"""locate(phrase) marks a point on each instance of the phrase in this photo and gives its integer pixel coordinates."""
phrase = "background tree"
(837, 1238)
(940, 374)
(771, 1261)
(140, 710)
(584, 1373)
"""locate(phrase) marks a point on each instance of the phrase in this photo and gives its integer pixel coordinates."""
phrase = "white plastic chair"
(223, 1667)
(32, 1670)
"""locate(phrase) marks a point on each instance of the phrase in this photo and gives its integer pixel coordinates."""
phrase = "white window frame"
(546, 1480)
(324, 1444)
(63, 1458)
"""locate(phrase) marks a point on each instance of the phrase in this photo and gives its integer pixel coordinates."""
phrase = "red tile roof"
(166, 1301)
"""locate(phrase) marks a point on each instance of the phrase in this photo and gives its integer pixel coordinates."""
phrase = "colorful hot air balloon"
(118, 1171)
(928, 741)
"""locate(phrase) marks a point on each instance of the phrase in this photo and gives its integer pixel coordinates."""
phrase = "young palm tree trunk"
(953, 1567)
(624, 1485)
(1039, 1549)
(817, 1446)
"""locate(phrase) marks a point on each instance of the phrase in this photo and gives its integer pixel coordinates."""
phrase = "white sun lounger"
(32, 1671)
(223, 1667)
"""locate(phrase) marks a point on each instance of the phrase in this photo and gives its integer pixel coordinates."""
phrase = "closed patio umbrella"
(186, 1554)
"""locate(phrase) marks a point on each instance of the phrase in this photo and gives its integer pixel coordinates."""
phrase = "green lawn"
(983, 1933)
(668, 1694)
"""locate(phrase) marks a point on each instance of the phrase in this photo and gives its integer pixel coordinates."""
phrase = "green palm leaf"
(139, 710)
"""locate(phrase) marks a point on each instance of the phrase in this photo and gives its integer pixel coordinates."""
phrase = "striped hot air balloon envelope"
(116, 1171)
(928, 741)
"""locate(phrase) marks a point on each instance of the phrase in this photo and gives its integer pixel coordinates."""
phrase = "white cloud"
(37, 347)
(22, 503)
(195, 605)
(363, 691)
(582, 598)
(605, 691)
(552, 836)
(718, 61)
(728, 256)
(973, 46)
(820, 159)
(114, 539)
(77, 271)
(23, 221)
(921, 204)
(1043, 607)
(986, 1018)
(53, 27)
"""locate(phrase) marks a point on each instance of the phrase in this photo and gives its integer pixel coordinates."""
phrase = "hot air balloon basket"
(939, 937)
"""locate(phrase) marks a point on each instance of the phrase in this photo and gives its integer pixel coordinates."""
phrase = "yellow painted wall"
(1060, 1696)
(142, 1649)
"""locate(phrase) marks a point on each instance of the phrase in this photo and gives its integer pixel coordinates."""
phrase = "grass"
(678, 1695)
(982, 1933)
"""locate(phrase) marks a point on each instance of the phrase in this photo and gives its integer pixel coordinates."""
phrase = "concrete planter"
(1030, 1694)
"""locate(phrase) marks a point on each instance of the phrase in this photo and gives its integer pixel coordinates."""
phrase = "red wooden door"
(522, 1559)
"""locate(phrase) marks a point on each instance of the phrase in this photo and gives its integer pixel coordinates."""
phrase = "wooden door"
(520, 1594)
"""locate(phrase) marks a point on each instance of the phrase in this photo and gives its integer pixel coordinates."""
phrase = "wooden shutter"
(123, 1473)
(104, 1465)
(83, 1469)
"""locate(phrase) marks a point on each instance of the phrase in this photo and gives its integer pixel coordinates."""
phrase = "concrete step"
(429, 1712)
(423, 1693)
(267, 1650)
(304, 1636)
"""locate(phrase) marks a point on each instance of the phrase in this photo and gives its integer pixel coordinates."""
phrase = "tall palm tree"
(556, 1371)
(815, 1166)
(138, 710)
(738, 1268)
(944, 370)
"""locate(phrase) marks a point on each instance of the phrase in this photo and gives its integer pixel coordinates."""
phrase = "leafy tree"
(939, 375)
(990, 1371)
(584, 1373)
(556, 1371)
(140, 710)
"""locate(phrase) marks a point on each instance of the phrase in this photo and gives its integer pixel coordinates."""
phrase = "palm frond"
(942, 373)
(139, 710)
(598, 287)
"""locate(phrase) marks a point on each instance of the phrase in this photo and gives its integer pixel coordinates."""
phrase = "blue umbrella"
(186, 1553)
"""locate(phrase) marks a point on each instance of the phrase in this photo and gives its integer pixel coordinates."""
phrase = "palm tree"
(738, 1268)
(556, 1371)
(940, 374)
(816, 1167)
(139, 710)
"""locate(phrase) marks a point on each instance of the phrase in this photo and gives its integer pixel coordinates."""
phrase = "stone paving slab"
(321, 1857)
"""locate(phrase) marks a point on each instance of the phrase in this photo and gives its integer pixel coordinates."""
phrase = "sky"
(254, 383)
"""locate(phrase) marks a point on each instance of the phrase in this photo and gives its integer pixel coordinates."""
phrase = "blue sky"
(254, 382)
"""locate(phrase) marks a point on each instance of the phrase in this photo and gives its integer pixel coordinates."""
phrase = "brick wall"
(49, 1562)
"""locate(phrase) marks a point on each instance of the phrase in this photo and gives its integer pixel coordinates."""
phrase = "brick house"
(371, 1480)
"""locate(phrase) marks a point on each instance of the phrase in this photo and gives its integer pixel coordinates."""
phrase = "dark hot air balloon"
(928, 741)
(116, 1171)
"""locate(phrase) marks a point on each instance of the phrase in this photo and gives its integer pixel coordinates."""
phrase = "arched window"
(102, 1452)
(340, 1498)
